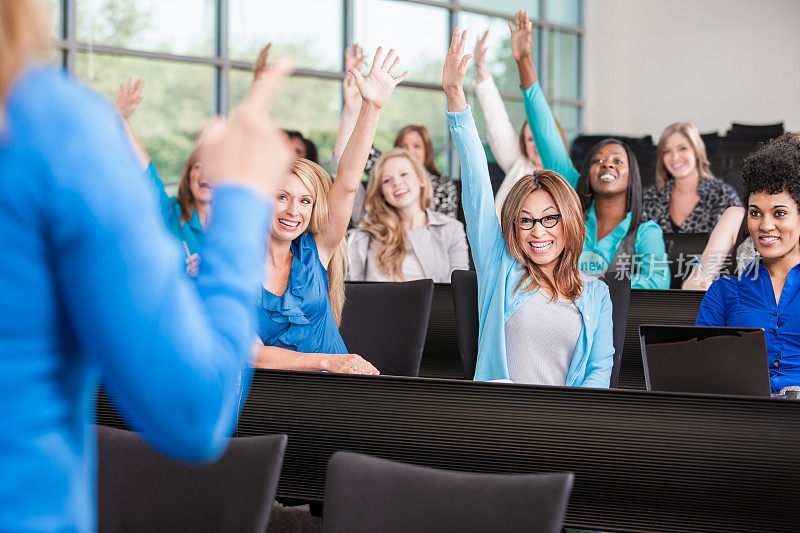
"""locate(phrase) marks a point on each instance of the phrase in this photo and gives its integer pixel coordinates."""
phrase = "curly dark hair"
(773, 168)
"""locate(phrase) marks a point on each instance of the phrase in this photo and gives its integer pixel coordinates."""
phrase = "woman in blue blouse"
(767, 294)
(540, 322)
(92, 290)
(617, 241)
(187, 215)
(301, 305)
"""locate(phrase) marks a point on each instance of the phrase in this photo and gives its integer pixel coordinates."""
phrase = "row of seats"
(417, 328)
(140, 490)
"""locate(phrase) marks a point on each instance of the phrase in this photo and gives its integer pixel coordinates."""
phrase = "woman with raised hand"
(515, 152)
(686, 198)
(402, 238)
(618, 241)
(540, 321)
(414, 138)
(301, 306)
(92, 287)
(767, 294)
(186, 216)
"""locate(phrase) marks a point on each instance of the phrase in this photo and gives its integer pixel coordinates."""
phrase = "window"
(196, 56)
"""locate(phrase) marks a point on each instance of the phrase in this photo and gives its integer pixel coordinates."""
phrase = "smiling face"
(294, 205)
(608, 174)
(680, 159)
(774, 224)
(400, 186)
(542, 245)
(530, 147)
(198, 185)
(413, 142)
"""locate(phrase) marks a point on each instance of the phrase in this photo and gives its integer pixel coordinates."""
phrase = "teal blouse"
(192, 232)
(650, 256)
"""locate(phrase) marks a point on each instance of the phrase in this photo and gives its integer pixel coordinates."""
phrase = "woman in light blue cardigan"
(540, 321)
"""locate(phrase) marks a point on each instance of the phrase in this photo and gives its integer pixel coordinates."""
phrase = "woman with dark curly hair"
(767, 294)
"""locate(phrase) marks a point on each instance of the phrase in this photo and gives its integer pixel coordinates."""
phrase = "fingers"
(463, 43)
(454, 39)
(401, 77)
(264, 90)
(375, 60)
(386, 62)
(512, 27)
(462, 66)
(394, 65)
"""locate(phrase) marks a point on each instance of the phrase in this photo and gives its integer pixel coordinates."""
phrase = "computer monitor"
(705, 360)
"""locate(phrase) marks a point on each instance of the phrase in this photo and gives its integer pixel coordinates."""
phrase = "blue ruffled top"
(301, 320)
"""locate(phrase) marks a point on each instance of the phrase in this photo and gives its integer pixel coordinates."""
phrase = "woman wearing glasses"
(540, 321)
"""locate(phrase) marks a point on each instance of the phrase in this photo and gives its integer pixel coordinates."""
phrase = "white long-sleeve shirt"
(503, 140)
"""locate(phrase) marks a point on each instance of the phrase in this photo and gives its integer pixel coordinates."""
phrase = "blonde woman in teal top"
(532, 252)
(187, 215)
(609, 186)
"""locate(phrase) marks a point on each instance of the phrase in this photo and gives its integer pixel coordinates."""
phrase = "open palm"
(380, 82)
(521, 35)
(455, 64)
(128, 97)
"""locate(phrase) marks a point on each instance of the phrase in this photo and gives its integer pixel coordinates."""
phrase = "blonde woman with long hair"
(301, 306)
(402, 238)
(541, 321)
(93, 286)
(686, 198)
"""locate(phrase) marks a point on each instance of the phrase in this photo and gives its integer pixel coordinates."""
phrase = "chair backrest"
(620, 293)
(680, 249)
(669, 308)
(366, 494)
(386, 323)
(441, 357)
(141, 490)
(465, 302)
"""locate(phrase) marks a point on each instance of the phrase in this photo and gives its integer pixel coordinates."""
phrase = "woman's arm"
(375, 90)
(712, 308)
(483, 228)
(718, 249)
(502, 137)
(282, 359)
(601, 359)
(544, 128)
(128, 99)
(650, 254)
(158, 338)
(353, 59)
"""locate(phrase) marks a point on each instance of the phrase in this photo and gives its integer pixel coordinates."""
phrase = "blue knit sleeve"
(651, 257)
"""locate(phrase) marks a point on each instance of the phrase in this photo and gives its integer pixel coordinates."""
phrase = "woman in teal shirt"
(186, 216)
(609, 185)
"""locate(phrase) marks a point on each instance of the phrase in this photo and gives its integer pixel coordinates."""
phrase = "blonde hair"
(567, 276)
(23, 34)
(688, 130)
(383, 221)
(319, 183)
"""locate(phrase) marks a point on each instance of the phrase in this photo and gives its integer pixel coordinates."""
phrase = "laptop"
(705, 360)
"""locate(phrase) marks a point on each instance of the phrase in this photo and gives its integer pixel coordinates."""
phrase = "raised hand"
(353, 58)
(481, 70)
(521, 36)
(455, 68)
(261, 63)
(380, 82)
(128, 97)
(250, 150)
(349, 364)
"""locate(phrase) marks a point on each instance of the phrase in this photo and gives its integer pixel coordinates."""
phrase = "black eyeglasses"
(549, 221)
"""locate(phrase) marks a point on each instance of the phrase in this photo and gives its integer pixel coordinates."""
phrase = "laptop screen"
(705, 360)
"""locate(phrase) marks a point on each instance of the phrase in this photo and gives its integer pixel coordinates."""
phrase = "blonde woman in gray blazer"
(402, 238)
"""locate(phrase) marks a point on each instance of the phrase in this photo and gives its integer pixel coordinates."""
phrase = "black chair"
(367, 494)
(620, 292)
(465, 303)
(141, 490)
(440, 357)
(386, 323)
(753, 132)
(681, 247)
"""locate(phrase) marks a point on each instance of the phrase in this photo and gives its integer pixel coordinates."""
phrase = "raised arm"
(483, 228)
(720, 246)
(500, 133)
(128, 99)
(353, 59)
(374, 90)
(159, 340)
(545, 130)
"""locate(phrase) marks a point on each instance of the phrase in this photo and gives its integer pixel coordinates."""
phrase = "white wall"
(649, 63)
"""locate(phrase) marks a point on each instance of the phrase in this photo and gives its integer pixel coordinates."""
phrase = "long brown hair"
(319, 183)
(567, 276)
(688, 130)
(185, 197)
(427, 142)
(383, 221)
(23, 34)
